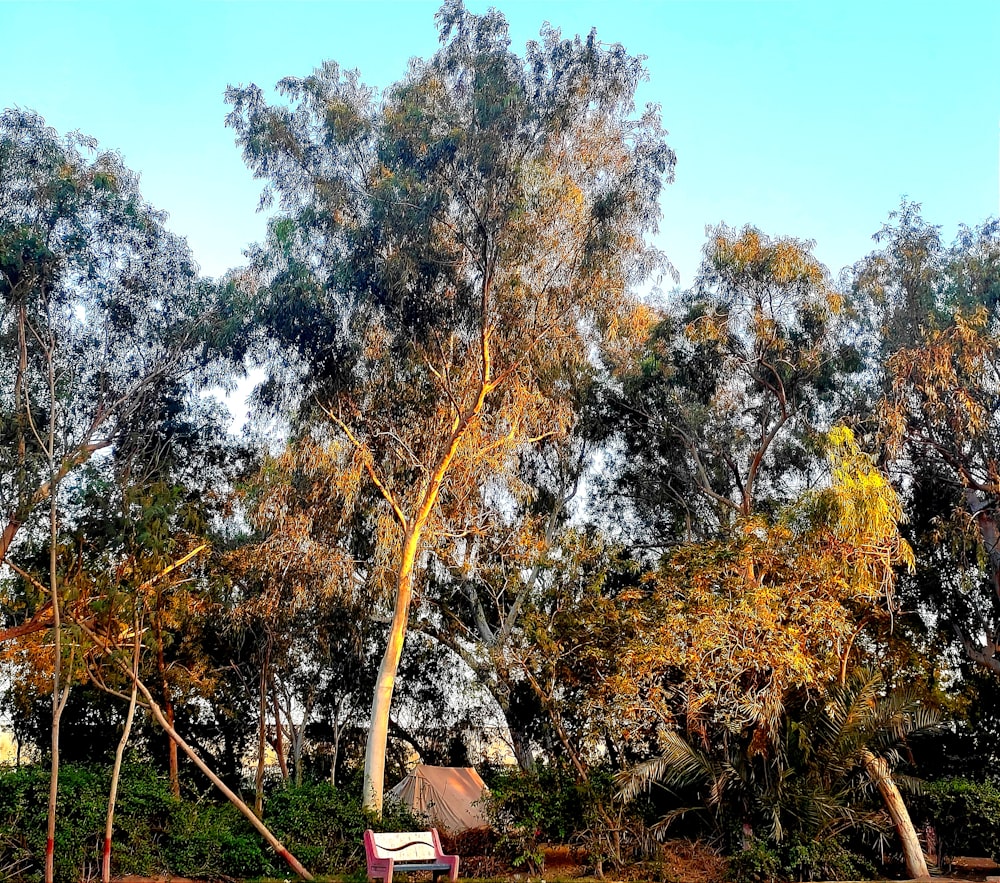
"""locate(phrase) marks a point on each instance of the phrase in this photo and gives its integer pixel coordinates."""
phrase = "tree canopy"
(740, 540)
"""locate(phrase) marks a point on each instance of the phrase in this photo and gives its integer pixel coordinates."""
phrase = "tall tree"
(99, 310)
(718, 418)
(440, 254)
(934, 312)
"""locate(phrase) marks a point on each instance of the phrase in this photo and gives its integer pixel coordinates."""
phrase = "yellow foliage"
(730, 628)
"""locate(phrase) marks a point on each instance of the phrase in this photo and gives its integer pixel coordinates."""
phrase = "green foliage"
(964, 814)
(801, 791)
(322, 826)
(81, 807)
(209, 841)
(544, 805)
(798, 859)
(156, 834)
(758, 861)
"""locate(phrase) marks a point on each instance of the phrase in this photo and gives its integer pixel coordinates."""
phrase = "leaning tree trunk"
(878, 769)
(275, 844)
(161, 719)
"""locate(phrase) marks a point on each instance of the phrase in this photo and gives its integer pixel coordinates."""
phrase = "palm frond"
(678, 764)
(659, 828)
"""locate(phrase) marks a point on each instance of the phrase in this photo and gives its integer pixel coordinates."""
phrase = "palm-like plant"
(816, 779)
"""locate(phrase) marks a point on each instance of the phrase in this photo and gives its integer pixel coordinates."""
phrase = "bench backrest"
(405, 846)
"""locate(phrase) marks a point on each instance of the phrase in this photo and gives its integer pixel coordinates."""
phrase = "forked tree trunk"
(413, 529)
(878, 769)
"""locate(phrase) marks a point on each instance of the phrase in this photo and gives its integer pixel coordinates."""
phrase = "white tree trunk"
(378, 728)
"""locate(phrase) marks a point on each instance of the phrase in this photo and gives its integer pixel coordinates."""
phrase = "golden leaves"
(947, 384)
(783, 260)
(731, 627)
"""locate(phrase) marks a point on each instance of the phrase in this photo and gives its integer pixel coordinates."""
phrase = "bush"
(155, 834)
(323, 826)
(81, 807)
(212, 841)
(757, 862)
(548, 805)
(761, 861)
(965, 816)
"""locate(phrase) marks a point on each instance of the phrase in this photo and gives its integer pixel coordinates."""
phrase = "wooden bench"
(407, 851)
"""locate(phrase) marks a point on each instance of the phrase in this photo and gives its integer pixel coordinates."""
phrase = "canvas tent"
(446, 795)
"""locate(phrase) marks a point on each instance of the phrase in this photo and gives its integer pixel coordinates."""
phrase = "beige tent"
(446, 795)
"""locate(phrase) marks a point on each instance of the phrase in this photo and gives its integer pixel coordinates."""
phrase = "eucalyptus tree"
(440, 253)
(101, 312)
(719, 416)
(934, 315)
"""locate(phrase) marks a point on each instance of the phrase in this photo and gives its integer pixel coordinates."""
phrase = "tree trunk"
(336, 741)
(168, 704)
(378, 729)
(258, 791)
(119, 754)
(878, 769)
(279, 735)
(60, 692)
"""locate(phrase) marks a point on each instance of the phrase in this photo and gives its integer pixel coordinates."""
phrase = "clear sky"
(803, 117)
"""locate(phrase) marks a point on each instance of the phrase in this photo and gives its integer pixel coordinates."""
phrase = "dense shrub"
(549, 805)
(323, 826)
(965, 816)
(761, 861)
(156, 834)
(81, 806)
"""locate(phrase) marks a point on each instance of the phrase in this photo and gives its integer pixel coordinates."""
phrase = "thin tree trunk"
(258, 790)
(279, 734)
(119, 754)
(878, 769)
(168, 704)
(60, 692)
(337, 730)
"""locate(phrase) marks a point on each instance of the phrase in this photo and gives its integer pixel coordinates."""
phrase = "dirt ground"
(686, 863)
(971, 868)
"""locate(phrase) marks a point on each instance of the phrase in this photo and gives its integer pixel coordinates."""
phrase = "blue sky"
(802, 117)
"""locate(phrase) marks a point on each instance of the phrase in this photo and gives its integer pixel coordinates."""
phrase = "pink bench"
(407, 851)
